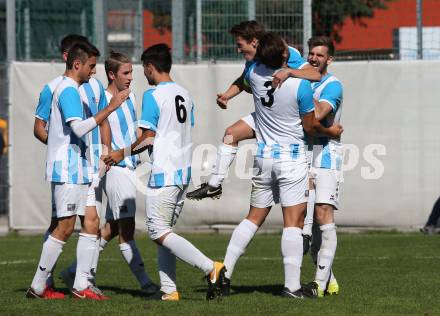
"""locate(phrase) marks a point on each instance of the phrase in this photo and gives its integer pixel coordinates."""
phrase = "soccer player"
(327, 167)
(282, 171)
(246, 35)
(42, 115)
(69, 170)
(93, 99)
(120, 180)
(167, 117)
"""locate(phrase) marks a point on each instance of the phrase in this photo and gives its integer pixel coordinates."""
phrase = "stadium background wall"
(390, 118)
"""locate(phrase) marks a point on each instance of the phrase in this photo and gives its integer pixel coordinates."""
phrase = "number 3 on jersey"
(180, 109)
(269, 94)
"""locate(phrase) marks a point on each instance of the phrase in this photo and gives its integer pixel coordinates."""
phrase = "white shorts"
(120, 188)
(94, 195)
(68, 199)
(284, 182)
(327, 186)
(250, 120)
(163, 208)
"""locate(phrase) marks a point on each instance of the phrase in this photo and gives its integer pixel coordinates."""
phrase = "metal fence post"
(100, 17)
(199, 30)
(10, 30)
(251, 9)
(139, 35)
(307, 24)
(178, 29)
(419, 13)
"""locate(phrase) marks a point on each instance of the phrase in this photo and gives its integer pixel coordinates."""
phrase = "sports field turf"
(379, 274)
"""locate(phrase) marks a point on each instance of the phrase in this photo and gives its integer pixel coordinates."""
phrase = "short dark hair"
(248, 30)
(114, 62)
(322, 41)
(159, 56)
(81, 51)
(270, 50)
(69, 40)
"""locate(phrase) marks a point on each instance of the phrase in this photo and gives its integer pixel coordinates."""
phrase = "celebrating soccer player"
(168, 117)
(70, 170)
(281, 114)
(246, 35)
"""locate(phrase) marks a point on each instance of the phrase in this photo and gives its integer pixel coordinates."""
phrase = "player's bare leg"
(226, 153)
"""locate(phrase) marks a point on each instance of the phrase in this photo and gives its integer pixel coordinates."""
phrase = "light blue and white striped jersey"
(123, 124)
(279, 129)
(93, 99)
(168, 110)
(327, 153)
(295, 61)
(68, 157)
(45, 101)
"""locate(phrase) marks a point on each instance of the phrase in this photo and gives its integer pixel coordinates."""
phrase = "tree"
(328, 15)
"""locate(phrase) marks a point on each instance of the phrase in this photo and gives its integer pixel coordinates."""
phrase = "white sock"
(85, 250)
(52, 249)
(225, 157)
(240, 239)
(95, 259)
(308, 220)
(292, 251)
(166, 263)
(50, 282)
(134, 260)
(186, 251)
(326, 254)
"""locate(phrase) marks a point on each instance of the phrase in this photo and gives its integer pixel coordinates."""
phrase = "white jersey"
(123, 126)
(279, 129)
(93, 100)
(68, 157)
(327, 153)
(168, 110)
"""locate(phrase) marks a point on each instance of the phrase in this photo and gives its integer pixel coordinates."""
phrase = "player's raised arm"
(297, 67)
(235, 89)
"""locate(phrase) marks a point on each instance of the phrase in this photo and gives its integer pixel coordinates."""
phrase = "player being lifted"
(246, 35)
(326, 167)
(282, 172)
(167, 118)
(70, 172)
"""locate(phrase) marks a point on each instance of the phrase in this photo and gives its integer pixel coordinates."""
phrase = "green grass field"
(379, 274)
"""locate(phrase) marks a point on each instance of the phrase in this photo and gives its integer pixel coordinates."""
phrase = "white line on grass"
(11, 262)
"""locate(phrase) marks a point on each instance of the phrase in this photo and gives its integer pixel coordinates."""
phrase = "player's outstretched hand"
(118, 99)
(279, 77)
(114, 157)
(337, 130)
(222, 101)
